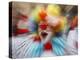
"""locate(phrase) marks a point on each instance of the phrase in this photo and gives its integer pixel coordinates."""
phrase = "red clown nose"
(43, 26)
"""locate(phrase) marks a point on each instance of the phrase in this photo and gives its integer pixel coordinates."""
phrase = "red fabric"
(22, 31)
(48, 46)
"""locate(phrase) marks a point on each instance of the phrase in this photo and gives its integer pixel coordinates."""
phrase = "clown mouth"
(44, 34)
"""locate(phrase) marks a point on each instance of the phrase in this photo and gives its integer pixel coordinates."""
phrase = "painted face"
(45, 32)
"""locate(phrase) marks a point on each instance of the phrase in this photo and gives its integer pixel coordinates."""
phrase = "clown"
(55, 23)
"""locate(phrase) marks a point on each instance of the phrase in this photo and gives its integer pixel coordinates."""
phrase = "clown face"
(45, 32)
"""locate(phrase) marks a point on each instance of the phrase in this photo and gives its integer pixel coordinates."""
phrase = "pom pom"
(48, 46)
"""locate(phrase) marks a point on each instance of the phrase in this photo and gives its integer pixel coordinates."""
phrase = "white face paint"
(53, 21)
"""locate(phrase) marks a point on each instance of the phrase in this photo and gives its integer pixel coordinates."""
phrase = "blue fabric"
(37, 50)
(58, 44)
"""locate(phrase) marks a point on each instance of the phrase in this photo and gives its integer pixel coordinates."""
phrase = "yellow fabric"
(53, 10)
